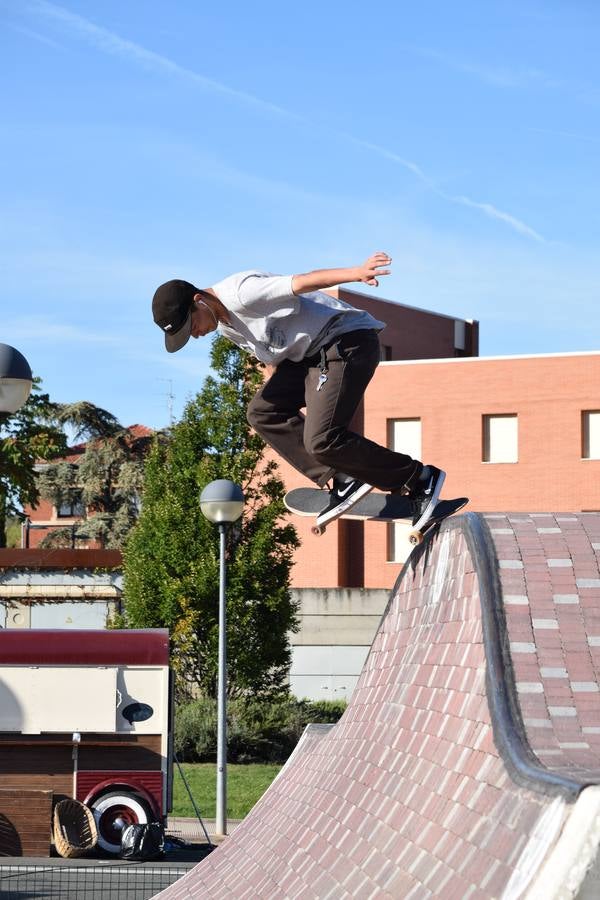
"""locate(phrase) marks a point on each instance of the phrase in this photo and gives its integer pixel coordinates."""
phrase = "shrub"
(195, 736)
(257, 731)
(324, 711)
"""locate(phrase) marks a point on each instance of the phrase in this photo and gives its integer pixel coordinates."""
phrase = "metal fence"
(133, 881)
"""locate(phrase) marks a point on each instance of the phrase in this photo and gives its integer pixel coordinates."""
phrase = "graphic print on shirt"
(275, 337)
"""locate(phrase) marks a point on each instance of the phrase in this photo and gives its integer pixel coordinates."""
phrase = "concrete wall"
(337, 627)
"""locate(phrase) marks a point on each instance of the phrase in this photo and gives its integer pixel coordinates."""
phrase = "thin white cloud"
(44, 330)
(111, 43)
(487, 208)
(513, 77)
(47, 330)
(499, 215)
(36, 36)
(571, 135)
(498, 76)
(416, 170)
(108, 42)
(210, 168)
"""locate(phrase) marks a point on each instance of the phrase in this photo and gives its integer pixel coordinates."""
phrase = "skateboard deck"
(373, 507)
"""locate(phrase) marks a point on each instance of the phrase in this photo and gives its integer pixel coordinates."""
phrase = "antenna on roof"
(170, 399)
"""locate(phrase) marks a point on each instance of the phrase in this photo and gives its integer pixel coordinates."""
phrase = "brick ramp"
(465, 764)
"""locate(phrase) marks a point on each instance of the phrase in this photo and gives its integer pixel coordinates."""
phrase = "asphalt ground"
(96, 877)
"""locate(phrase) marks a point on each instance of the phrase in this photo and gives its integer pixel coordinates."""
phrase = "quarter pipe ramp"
(467, 764)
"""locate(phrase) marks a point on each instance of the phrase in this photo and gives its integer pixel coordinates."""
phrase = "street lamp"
(15, 379)
(222, 502)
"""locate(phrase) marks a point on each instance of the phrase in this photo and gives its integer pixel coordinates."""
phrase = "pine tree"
(172, 555)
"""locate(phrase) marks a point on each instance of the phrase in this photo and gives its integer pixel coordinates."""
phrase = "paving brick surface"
(407, 796)
(554, 633)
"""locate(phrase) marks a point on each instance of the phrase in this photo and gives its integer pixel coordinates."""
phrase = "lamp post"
(15, 379)
(222, 502)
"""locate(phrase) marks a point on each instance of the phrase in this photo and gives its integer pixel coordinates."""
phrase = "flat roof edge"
(472, 359)
(429, 312)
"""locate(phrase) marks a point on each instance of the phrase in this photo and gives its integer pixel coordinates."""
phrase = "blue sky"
(145, 140)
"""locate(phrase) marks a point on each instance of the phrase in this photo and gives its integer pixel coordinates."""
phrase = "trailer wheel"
(115, 811)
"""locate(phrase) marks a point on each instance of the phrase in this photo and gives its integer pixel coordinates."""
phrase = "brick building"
(517, 433)
(45, 517)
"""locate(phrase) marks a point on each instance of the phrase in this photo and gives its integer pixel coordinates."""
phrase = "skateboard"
(373, 507)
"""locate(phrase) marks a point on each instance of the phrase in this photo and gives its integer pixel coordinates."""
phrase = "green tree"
(171, 562)
(31, 434)
(13, 531)
(106, 481)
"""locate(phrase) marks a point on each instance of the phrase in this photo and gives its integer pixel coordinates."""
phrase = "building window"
(590, 434)
(460, 334)
(397, 549)
(501, 439)
(385, 353)
(404, 436)
(72, 508)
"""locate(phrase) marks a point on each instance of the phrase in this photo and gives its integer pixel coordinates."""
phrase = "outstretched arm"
(368, 273)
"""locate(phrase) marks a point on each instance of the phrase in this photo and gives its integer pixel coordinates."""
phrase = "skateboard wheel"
(318, 530)
(415, 538)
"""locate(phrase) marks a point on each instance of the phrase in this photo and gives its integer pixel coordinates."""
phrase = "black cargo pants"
(318, 443)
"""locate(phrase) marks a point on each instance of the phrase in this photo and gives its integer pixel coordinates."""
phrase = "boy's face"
(203, 321)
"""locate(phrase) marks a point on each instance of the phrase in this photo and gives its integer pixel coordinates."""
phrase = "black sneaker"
(425, 495)
(342, 497)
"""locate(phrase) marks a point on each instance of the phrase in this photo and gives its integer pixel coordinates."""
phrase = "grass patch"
(245, 785)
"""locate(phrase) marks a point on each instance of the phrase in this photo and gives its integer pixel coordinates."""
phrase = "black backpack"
(139, 842)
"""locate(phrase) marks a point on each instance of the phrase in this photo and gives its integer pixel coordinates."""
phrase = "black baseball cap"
(172, 306)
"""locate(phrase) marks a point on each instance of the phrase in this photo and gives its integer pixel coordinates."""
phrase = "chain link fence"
(92, 880)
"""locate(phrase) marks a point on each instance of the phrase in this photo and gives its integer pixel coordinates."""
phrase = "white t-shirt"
(274, 324)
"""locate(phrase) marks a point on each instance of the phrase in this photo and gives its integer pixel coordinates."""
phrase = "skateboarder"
(324, 353)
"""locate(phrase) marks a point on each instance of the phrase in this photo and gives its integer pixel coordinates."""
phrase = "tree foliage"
(87, 420)
(106, 480)
(172, 555)
(31, 434)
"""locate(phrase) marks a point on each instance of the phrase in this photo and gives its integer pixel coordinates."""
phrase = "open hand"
(374, 267)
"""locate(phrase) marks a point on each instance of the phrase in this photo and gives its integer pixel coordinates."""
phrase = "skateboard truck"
(415, 537)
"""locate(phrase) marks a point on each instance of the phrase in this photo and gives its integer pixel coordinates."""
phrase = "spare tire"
(113, 812)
